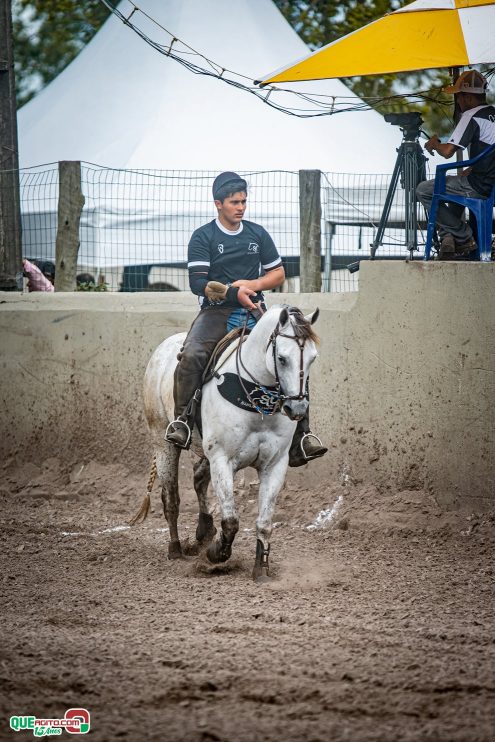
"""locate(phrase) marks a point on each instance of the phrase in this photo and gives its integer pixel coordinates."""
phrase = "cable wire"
(311, 104)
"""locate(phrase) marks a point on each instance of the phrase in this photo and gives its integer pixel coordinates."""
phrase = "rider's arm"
(197, 283)
(270, 280)
(198, 261)
(270, 262)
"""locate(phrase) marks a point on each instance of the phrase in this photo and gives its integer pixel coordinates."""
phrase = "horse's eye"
(282, 361)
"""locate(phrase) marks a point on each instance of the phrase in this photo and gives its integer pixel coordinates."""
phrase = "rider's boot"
(179, 431)
(305, 445)
(187, 396)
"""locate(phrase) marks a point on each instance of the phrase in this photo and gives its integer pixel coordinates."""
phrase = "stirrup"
(303, 438)
(173, 425)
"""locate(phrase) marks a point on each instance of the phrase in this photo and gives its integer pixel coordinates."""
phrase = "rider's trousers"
(209, 327)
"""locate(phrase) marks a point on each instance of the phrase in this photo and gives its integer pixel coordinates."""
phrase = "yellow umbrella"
(425, 34)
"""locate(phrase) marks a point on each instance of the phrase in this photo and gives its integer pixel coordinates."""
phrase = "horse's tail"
(143, 511)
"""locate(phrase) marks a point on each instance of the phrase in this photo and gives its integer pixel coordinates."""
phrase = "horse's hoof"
(212, 554)
(175, 550)
(216, 555)
(191, 549)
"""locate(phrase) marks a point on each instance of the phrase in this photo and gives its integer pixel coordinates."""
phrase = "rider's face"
(231, 211)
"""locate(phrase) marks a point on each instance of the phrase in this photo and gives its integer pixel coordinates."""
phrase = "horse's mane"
(302, 327)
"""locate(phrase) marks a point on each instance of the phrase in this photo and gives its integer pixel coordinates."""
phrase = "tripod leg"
(410, 180)
(388, 202)
(414, 173)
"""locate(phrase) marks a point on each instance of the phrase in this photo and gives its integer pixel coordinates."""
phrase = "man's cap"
(224, 179)
(471, 81)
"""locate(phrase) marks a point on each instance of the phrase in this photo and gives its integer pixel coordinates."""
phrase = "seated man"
(232, 251)
(475, 130)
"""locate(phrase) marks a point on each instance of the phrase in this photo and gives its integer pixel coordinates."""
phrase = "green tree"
(48, 34)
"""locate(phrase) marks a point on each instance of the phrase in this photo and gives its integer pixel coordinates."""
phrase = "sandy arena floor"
(377, 626)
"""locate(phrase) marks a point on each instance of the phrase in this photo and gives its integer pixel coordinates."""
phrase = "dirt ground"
(378, 624)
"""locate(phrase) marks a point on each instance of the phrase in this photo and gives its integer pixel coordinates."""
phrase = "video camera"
(410, 123)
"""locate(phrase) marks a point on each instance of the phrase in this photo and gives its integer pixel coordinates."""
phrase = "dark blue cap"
(224, 179)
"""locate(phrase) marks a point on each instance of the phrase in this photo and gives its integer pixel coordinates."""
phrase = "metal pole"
(327, 274)
(10, 212)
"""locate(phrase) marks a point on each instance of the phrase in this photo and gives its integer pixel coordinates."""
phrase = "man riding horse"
(226, 258)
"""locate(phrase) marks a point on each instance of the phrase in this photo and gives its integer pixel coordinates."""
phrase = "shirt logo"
(220, 248)
(253, 247)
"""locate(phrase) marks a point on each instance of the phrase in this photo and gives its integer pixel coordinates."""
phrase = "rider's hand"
(244, 297)
(216, 291)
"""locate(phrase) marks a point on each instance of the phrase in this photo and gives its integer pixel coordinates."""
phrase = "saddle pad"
(265, 399)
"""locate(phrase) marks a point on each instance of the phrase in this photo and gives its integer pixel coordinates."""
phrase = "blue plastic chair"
(481, 208)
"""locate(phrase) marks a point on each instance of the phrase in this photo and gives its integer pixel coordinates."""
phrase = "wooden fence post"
(310, 230)
(70, 205)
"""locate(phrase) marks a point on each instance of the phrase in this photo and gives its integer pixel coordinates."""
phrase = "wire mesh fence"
(136, 225)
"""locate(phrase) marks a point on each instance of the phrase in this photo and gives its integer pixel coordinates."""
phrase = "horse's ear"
(284, 317)
(311, 318)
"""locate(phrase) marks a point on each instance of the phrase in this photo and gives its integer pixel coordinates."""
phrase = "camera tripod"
(410, 166)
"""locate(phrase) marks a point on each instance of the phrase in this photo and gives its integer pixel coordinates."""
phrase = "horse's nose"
(295, 409)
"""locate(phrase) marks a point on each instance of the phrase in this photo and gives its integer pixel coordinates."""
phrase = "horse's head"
(290, 353)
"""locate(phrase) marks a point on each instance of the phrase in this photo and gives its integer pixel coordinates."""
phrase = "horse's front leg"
(222, 479)
(271, 482)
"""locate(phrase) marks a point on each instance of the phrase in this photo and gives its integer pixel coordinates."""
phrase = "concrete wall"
(403, 391)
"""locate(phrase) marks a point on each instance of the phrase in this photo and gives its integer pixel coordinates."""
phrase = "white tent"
(121, 104)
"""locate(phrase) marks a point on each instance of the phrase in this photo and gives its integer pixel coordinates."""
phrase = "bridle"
(303, 392)
(277, 396)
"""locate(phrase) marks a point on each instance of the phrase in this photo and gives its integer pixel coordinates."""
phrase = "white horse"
(277, 353)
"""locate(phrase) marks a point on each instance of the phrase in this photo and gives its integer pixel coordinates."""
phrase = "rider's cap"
(471, 81)
(224, 179)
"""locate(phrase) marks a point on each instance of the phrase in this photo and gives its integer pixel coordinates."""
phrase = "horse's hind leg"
(205, 530)
(167, 466)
